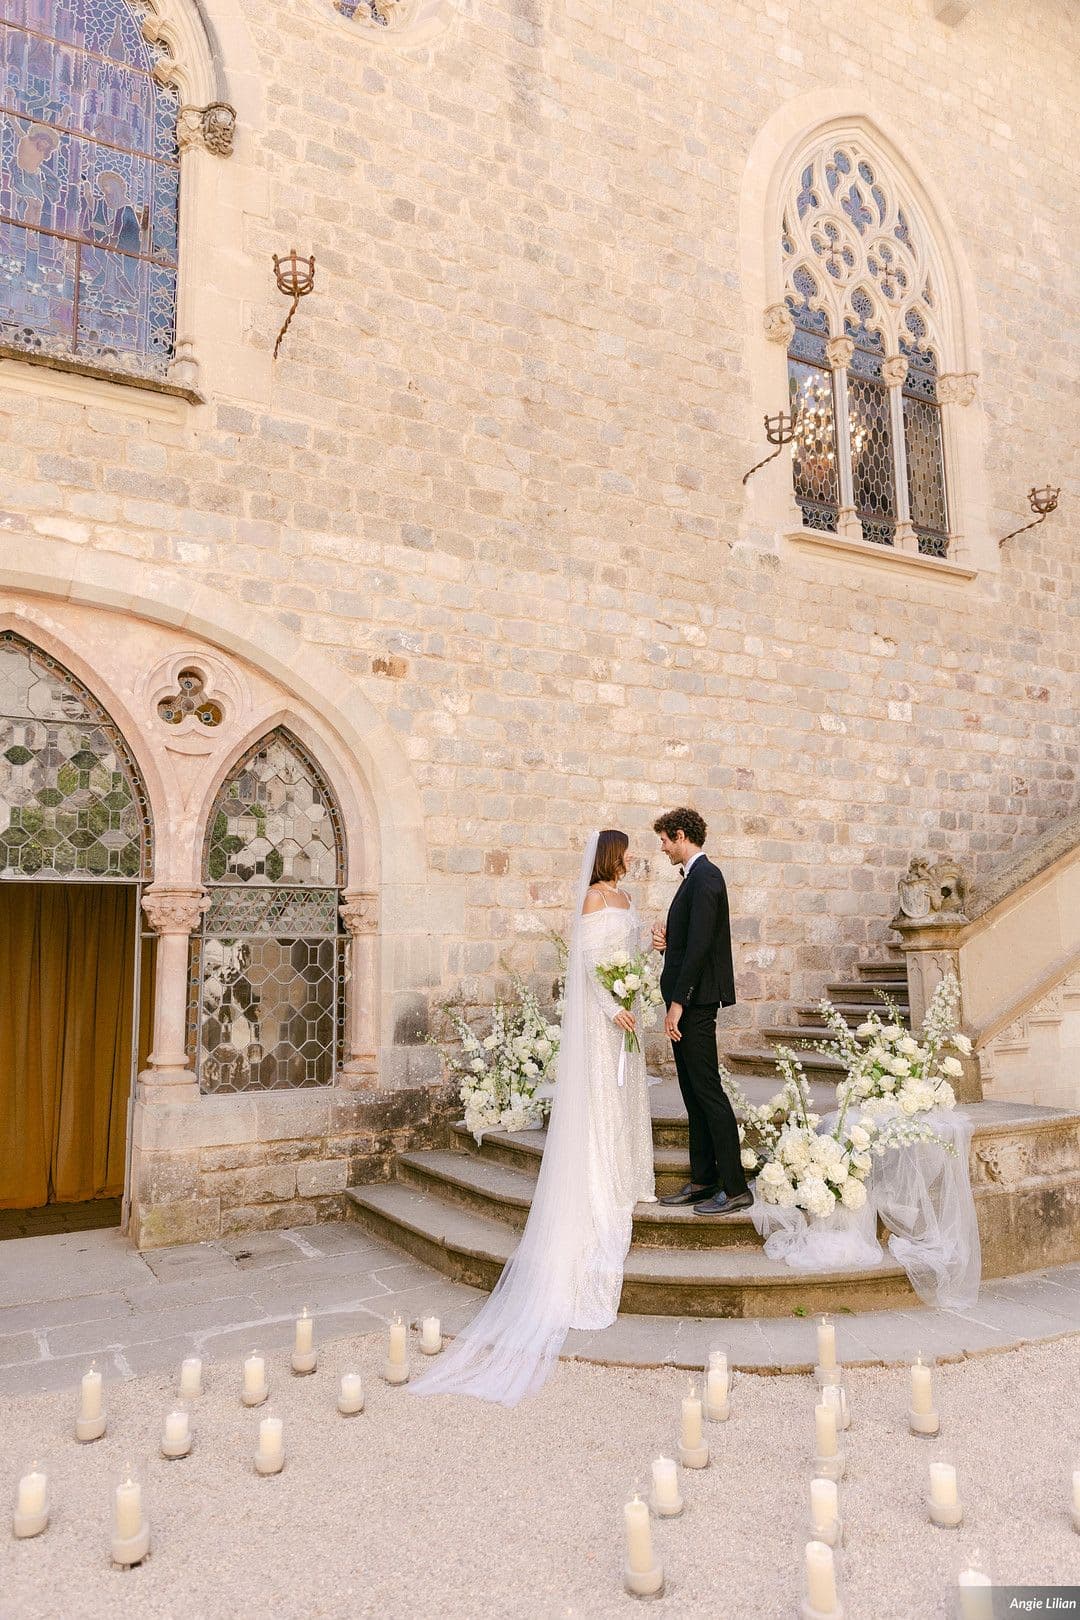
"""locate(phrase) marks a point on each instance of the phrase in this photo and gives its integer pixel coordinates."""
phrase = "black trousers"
(714, 1131)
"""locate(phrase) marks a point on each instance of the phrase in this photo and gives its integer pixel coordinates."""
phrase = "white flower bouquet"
(631, 979)
(890, 1070)
(498, 1074)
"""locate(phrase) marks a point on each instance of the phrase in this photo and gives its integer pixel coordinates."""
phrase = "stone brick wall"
(495, 473)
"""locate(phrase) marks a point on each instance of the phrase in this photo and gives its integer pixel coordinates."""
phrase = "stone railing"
(1013, 943)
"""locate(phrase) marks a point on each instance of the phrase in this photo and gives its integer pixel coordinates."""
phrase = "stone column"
(172, 914)
(955, 392)
(838, 352)
(360, 914)
(894, 372)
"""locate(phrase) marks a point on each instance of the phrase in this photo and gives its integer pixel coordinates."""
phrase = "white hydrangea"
(748, 1158)
(853, 1194)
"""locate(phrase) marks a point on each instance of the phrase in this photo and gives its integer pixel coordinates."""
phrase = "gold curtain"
(67, 985)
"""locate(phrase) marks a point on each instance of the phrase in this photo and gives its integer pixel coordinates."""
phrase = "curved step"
(731, 1282)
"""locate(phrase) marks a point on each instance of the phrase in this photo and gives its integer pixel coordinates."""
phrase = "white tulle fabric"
(598, 1162)
(921, 1194)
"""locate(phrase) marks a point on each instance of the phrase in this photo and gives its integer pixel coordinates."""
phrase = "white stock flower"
(552, 1031)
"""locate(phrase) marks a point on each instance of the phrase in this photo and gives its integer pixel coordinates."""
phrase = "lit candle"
(922, 1392)
(718, 1362)
(665, 1484)
(90, 1410)
(254, 1378)
(190, 1377)
(128, 1510)
(430, 1336)
(270, 1457)
(820, 1577)
(32, 1489)
(351, 1396)
(177, 1428)
(976, 1595)
(305, 1328)
(824, 1502)
(716, 1390)
(691, 1420)
(943, 1485)
(825, 1430)
(639, 1553)
(826, 1349)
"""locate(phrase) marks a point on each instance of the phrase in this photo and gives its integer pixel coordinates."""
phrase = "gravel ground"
(454, 1509)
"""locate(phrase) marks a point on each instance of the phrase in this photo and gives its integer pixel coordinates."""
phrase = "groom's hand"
(671, 1022)
(659, 936)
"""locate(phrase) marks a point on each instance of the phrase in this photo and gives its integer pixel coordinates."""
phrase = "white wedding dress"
(598, 1163)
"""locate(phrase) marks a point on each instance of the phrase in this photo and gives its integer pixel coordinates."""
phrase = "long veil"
(572, 1233)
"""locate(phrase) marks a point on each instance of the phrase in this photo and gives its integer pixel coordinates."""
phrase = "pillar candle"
(639, 1553)
(91, 1396)
(922, 1393)
(305, 1328)
(943, 1484)
(665, 1480)
(351, 1398)
(32, 1486)
(128, 1510)
(824, 1503)
(691, 1420)
(177, 1426)
(820, 1577)
(976, 1595)
(826, 1348)
(254, 1374)
(270, 1437)
(716, 1386)
(825, 1430)
(191, 1376)
(430, 1335)
(1076, 1490)
(397, 1342)
(718, 1363)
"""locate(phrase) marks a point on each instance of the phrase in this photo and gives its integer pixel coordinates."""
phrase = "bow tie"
(682, 871)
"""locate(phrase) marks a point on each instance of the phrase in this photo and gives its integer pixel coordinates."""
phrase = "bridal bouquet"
(628, 979)
(498, 1074)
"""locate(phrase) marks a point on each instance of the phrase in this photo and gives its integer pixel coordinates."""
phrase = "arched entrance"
(76, 846)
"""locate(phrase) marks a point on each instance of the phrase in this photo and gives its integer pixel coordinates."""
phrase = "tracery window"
(89, 180)
(72, 802)
(267, 973)
(863, 354)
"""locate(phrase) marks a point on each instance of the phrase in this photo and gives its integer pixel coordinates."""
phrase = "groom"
(696, 981)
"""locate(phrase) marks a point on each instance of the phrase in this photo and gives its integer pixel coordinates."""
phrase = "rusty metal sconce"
(779, 430)
(295, 281)
(1042, 503)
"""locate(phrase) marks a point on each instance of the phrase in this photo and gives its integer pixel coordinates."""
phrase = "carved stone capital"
(957, 387)
(894, 370)
(212, 127)
(838, 352)
(779, 324)
(174, 911)
(359, 912)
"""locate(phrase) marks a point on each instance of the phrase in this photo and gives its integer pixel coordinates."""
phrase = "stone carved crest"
(212, 126)
(957, 387)
(894, 370)
(1006, 1162)
(936, 891)
(360, 913)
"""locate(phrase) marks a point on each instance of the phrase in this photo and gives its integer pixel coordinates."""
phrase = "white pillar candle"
(825, 1430)
(639, 1553)
(254, 1374)
(1076, 1490)
(270, 1438)
(691, 1421)
(820, 1577)
(922, 1392)
(824, 1503)
(177, 1428)
(397, 1342)
(665, 1482)
(943, 1484)
(716, 1387)
(128, 1510)
(190, 1377)
(976, 1595)
(826, 1348)
(305, 1329)
(32, 1489)
(718, 1363)
(90, 1409)
(351, 1396)
(430, 1335)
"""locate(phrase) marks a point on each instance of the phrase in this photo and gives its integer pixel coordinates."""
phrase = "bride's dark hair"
(611, 846)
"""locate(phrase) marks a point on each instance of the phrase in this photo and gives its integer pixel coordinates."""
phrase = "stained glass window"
(922, 436)
(870, 430)
(72, 804)
(88, 186)
(810, 386)
(268, 963)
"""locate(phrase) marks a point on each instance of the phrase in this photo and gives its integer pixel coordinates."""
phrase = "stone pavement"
(68, 1298)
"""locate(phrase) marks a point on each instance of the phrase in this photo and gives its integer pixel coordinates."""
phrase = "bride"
(598, 1163)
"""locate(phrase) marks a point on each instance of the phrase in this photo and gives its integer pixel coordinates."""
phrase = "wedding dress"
(598, 1163)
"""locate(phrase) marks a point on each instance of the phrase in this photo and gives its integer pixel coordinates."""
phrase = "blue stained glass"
(89, 181)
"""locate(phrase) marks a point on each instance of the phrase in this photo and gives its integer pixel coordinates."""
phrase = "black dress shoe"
(689, 1194)
(721, 1204)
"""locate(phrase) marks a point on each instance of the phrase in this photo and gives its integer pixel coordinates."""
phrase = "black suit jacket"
(697, 960)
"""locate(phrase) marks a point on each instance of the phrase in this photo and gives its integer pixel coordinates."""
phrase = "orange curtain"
(67, 985)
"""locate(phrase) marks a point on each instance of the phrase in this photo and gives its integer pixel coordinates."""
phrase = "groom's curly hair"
(684, 821)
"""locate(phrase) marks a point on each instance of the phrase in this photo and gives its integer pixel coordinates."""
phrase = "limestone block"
(282, 1115)
(267, 1217)
(322, 1176)
(259, 1185)
(165, 1179)
(195, 1220)
(202, 1122)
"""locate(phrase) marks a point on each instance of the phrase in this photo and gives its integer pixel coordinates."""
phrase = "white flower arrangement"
(885, 1063)
(632, 981)
(498, 1074)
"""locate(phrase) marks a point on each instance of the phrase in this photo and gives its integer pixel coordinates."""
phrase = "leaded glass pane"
(926, 475)
(813, 450)
(88, 186)
(71, 802)
(872, 477)
(274, 821)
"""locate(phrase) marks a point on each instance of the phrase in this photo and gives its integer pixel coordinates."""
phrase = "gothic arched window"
(268, 963)
(89, 181)
(72, 802)
(863, 353)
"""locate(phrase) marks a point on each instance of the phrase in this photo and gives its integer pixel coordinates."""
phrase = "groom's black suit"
(698, 975)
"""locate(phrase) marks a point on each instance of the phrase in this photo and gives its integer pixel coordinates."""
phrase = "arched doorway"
(76, 845)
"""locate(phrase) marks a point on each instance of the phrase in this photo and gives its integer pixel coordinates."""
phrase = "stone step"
(715, 1282)
(869, 994)
(503, 1193)
(761, 1061)
(853, 1013)
(887, 968)
(524, 1150)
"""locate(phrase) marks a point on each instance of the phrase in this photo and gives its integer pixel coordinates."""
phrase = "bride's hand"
(625, 1020)
(659, 936)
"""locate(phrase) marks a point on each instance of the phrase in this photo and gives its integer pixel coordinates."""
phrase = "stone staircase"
(460, 1209)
